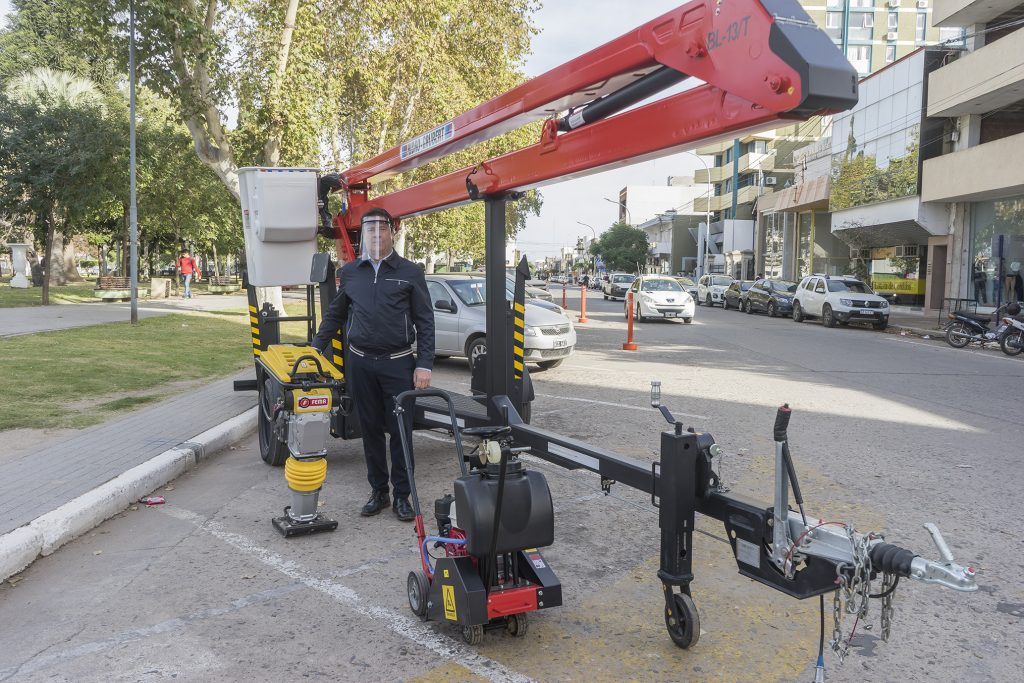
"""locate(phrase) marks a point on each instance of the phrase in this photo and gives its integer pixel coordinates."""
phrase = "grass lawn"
(79, 292)
(78, 377)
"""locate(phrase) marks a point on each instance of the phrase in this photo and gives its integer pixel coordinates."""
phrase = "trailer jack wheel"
(516, 625)
(474, 635)
(417, 588)
(684, 629)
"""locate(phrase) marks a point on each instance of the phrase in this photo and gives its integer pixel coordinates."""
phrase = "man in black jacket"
(384, 306)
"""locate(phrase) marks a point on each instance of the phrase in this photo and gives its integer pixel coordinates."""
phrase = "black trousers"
(374, 384)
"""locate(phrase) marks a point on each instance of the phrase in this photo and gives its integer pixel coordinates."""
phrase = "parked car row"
(835, 299)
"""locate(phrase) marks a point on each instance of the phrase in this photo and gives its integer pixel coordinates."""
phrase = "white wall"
(648, 201)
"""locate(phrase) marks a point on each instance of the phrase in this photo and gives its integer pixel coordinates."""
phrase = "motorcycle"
(1012, 341)
(965, 327)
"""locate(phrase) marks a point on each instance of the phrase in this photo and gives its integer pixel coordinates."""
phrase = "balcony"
(744, 196)
(969, 12)
(753, 160)
(983, 172)
(995, 75)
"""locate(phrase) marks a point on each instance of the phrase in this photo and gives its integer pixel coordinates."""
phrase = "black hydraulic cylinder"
(782, 434)
(612, 103)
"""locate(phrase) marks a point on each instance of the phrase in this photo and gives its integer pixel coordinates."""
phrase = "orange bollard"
(583, 304)
(628, 345)
(564, 305)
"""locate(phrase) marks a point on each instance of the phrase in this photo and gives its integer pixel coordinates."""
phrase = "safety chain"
(853, 589)
(888, 582)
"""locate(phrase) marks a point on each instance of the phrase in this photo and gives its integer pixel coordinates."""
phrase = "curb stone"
(45, 534)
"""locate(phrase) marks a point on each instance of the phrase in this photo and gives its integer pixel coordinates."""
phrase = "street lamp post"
(133, 211)
(707, 214)
(629, 216)
(594, 233)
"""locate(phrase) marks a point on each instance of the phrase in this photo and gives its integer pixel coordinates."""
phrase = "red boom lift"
(761, 62)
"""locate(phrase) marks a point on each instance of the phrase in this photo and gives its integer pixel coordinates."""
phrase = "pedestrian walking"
(384, 306)
(188, 269)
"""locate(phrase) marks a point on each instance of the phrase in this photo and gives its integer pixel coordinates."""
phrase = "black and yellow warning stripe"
(338, 353)
(518, 340)
(254, 328)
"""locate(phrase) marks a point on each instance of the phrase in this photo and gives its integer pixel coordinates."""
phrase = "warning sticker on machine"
(537, 560)
(430, 139)
(448, 592)
(748, 553)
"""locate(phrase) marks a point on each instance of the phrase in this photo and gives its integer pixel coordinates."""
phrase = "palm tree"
(49, 91)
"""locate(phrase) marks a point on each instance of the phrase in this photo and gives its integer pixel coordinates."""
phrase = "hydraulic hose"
(442, 539)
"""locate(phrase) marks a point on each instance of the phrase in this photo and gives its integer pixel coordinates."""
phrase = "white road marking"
(976, 354)
(646, 409)
(401, 625)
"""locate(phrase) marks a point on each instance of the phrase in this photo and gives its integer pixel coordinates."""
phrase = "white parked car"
(841, 299)
(711, 289)
(660, 296)
(460, 325)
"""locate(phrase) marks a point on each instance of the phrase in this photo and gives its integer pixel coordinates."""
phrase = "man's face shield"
(377, 239)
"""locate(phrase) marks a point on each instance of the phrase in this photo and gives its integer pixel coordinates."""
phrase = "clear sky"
(568, 29)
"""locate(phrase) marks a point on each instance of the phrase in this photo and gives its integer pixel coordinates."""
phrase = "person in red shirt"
(187, 269)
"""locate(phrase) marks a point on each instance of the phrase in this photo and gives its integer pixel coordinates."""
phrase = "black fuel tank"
(527, 513)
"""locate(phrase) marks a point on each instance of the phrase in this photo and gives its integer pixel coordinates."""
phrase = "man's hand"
(421, 378)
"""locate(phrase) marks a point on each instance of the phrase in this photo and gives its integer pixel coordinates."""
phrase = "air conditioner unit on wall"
(770, 180)
(894, 3)
(891, 35)
(922, 4)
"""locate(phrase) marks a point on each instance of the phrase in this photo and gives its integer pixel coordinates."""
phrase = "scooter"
(1012, 341)
(965, 327)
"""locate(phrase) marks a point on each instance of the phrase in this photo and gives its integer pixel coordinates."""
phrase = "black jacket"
(382, 312)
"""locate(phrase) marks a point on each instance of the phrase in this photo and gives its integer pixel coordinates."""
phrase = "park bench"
(224, 284)
(111, 288)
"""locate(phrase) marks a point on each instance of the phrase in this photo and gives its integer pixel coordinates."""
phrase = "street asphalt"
(888, 432)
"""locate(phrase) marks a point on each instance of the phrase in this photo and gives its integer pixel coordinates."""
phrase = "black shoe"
(403, 509)
(378, 501)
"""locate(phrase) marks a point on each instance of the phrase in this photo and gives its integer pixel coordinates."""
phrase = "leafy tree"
(50, 33)
(621, 247)
(329, 84)
(56, 142)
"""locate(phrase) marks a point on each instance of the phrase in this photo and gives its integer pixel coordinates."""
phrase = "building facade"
(874, 33)
(978, 179)
(641, 203)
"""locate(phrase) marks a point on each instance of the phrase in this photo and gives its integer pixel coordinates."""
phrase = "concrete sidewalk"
(151, 446)
(32, 319)
(915, 321)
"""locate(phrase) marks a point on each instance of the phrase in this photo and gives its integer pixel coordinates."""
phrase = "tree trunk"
(101, 256)
(48, 256)
(70, 264)
(272, 148)
(216, 268)
(56, 272)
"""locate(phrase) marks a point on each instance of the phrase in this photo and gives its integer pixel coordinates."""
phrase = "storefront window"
(773, 232)
(831, 254)
(803, 245)
(997, 251)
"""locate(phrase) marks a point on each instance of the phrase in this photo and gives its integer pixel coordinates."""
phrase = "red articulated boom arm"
(761, 61)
